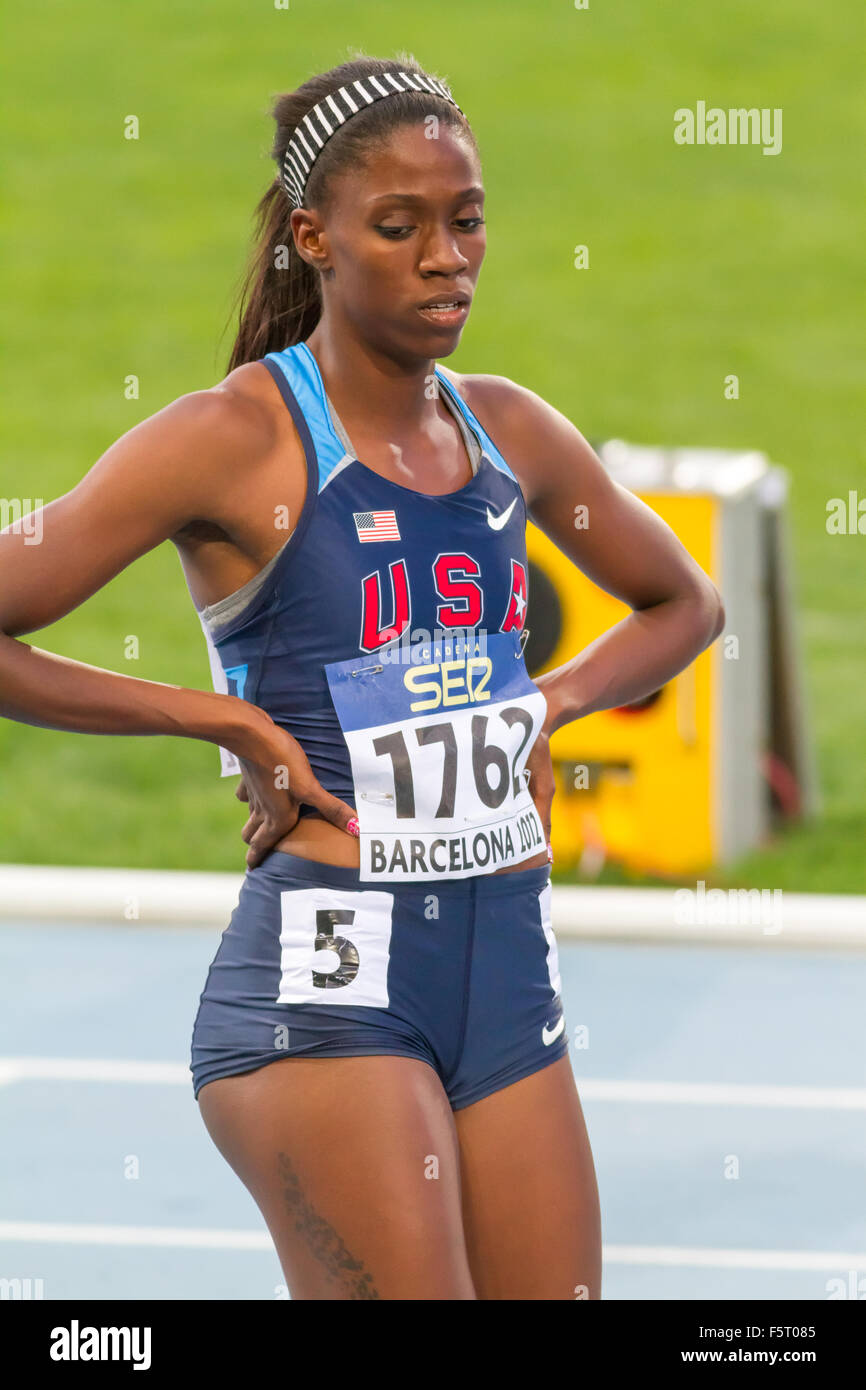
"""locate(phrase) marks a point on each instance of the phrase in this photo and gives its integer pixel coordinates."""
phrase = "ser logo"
(459, 682)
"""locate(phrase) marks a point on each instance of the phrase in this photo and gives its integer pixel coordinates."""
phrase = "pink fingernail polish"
(352, 826)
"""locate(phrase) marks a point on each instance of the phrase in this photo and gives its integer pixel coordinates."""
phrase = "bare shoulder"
(242, 407)
(229, 435)
(627, 550)
(485, 391)
(539, 443)
(190, 464)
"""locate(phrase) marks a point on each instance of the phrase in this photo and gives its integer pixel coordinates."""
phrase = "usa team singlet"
(388, 640)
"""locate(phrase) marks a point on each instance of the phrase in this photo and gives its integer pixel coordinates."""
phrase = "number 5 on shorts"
(335, 945)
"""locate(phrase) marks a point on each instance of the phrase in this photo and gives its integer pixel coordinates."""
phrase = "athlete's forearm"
(53, 692)
(632, 659)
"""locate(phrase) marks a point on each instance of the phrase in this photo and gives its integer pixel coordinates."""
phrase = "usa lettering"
(457, 582)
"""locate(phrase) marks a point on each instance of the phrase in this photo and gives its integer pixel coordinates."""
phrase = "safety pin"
(378, 796)
(362, 669)
(523, 639)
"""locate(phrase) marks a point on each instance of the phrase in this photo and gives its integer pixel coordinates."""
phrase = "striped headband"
(334, 110)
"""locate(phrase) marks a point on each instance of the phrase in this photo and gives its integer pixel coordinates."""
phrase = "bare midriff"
(316, 838)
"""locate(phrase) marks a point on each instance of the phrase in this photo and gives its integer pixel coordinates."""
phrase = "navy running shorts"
(460, 973)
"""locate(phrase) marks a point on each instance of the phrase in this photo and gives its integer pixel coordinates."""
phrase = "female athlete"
(380, 1051)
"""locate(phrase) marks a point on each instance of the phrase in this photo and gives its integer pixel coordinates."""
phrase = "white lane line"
(191, 1237)
(639, 1092)
(710, 1258)
(711, 1093)
(202, 1238)
(93, 1069)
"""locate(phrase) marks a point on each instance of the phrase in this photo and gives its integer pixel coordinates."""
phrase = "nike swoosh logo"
(550, 1035)
(497, 522)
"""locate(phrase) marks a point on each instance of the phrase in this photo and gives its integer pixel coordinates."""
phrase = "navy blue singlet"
(369, 564)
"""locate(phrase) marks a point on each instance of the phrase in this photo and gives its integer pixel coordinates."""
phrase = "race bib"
(438, 736)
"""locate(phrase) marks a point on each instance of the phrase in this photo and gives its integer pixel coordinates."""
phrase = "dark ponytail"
(280, 300)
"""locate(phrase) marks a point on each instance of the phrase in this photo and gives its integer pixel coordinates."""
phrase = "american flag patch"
(376, 526)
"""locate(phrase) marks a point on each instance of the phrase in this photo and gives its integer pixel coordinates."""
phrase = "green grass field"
(122, 257)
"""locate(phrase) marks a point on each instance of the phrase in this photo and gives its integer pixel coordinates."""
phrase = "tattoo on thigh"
(324, 1242)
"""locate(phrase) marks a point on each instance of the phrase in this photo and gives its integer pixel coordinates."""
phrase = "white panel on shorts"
(362, 960)
(544, 901)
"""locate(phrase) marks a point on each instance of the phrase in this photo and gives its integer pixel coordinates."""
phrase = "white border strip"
(124, 897)
(97, 1069)
(683, 916)
(173, 898)
(194, 1238)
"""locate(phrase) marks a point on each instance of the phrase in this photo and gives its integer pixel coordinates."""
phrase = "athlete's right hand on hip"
(274, 789)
